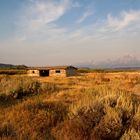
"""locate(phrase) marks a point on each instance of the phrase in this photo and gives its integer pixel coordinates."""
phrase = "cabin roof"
(51, 67)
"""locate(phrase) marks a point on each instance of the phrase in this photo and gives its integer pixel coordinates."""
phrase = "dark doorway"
(44, 72)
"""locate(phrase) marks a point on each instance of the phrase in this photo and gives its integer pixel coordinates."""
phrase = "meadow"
(91, 106)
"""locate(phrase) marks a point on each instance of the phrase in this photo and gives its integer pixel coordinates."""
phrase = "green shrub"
(6, 130)
(110, 126)
(79, 127)
(32, 120)
(19, 86)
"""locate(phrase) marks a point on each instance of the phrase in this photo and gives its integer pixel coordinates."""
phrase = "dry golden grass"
(93, 106)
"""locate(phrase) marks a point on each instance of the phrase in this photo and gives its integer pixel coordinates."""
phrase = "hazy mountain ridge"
(126, 62)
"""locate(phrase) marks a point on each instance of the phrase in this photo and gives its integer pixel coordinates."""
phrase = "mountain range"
(124, 62)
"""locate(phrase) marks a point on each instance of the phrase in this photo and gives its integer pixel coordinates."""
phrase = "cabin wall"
(53, 72)
(33, 73)
(71, 72)
(58, 72)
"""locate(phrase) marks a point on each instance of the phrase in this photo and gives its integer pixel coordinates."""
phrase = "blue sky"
(59, 32)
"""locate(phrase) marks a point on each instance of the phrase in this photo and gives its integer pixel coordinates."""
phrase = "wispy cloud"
(126, 24)
(76, 5)
(43, 13)
(124, 20)
(40, 16)
(84, 16)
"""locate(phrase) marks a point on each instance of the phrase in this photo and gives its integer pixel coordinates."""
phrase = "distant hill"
(6, 65)
(10, 66)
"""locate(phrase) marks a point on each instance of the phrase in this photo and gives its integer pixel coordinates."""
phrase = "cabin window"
(33, 71)
(57, 71)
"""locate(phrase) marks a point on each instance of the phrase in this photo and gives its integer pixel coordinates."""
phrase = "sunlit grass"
(93, 106)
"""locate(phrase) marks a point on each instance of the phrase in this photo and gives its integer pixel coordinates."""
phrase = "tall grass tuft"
(18, 86)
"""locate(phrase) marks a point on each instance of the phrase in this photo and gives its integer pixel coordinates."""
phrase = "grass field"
(92, 106)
